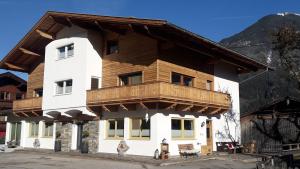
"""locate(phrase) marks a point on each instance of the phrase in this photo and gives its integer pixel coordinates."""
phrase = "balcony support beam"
(202, 109)
(105, 108)
(188, 108)
(24, 114)
(215, 111)
(123, 107)
(143, 106)
(171, 106)
(34, 113)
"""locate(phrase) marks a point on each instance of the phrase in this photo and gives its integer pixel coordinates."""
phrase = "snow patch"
(287, 13)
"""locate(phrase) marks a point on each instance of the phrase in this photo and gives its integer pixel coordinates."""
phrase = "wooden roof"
(30, 50)
(8, 78)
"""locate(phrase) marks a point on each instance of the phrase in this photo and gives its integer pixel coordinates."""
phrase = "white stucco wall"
(225, 80)
(160, 129)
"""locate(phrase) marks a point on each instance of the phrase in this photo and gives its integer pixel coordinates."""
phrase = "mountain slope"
(256, 41)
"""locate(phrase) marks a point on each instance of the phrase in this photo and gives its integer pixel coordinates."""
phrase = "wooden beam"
(15, 114)
(143, 106)
(147, 29)
(123, 107)
(105, 108)
(69, 21)
(203, 109)
(11, 66)
(171, 106)
(45, 35)
(28, 52)
(131, 27)
(215, 111)
(24, 114)
(188, 108)
(33, 112)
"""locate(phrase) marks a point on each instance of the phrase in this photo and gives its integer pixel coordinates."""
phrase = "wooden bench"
(186, 150)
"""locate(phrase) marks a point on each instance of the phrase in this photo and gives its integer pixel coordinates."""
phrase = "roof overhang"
(30, 50)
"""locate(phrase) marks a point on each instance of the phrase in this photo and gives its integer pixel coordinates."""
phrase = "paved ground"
(23, 160)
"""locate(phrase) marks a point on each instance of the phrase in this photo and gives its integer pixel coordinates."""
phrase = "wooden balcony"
(28, 107)
(170, 96)
(4, 104)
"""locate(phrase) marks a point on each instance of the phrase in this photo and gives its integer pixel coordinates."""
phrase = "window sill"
(185, 138)
(112, 138)
(47, 137)
(63, 94)
(140, 138)
(64, 58)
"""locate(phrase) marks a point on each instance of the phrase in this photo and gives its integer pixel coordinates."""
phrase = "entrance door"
(15, 132)
(79, 135)
(209, 138)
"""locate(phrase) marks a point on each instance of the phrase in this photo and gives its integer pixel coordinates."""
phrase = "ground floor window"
(182, 128)
(15, 132)
(115, 128)
(48, 130)
(33, 129)
(140, 128)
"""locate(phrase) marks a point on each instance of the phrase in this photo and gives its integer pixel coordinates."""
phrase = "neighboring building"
(272, 126)
(11, 88)
(138, 80)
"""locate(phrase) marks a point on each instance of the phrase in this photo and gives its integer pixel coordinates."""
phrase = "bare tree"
(231, 119)
(287, 43)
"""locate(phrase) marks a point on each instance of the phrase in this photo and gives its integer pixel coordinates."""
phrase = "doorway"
(209, 138)
(79, 135)
(15, 132)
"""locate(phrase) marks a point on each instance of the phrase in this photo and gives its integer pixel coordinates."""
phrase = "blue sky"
(214, 19)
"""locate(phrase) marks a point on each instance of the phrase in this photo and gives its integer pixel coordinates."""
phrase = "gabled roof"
(30, 49)
(8, 78)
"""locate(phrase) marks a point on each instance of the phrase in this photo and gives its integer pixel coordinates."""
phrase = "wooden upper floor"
(134, 51)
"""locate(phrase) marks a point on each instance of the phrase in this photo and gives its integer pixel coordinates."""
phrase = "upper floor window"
(19, 96)
(208, 85)
(181, 79)
(112, 47)
(5, 96)
(94, 83)
(38, 92)
(64, 87)
(131, 79)
(65, 51)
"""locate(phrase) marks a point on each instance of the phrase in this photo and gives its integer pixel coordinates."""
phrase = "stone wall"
(93, 128)
(66, 135)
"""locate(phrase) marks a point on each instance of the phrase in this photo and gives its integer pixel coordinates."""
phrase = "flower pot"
(57, 145)
(85, 147)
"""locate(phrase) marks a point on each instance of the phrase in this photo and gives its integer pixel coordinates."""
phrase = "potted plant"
(85, 142)
(57, 143)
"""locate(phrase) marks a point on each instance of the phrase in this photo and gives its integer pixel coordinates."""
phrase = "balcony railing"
(159, 91)
(28, 104)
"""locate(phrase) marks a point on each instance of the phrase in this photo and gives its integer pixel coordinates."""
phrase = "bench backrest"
(185, 146)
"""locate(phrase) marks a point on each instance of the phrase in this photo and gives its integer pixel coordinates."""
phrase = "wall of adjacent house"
(226, 80)
(84, 64)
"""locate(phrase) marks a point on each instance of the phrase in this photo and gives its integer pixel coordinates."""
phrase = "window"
(131, 79)
(208, 85)
(19, 96)
(33, 129)
(140, 128)
(64, 87)
(65, 51)
(112, 47)
(115, 128)
(94, 83)
(182, 128)
(38, 92)
(5, 96)
(48, 130)
(180, 79)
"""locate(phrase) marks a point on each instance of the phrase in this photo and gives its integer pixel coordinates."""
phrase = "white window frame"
(66, 53)
(64, 88)
(47, 130)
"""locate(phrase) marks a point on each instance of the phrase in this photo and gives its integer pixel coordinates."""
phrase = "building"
(273, 126)
(11, 88)
(117, 78)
